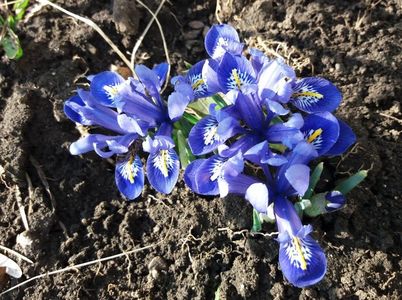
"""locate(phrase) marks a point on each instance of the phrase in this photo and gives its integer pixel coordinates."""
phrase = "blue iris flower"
(129, 109)
(302, 260)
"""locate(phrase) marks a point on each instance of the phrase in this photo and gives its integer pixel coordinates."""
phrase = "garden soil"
(199, 247)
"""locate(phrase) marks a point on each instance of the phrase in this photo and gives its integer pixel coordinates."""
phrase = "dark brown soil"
(356, 44)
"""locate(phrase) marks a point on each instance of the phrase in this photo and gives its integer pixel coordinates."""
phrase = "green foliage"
(256, 222)
(350, 183)
(8, 22)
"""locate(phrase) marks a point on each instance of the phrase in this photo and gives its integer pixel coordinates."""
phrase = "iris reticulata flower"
(132, 110)
(275, 121)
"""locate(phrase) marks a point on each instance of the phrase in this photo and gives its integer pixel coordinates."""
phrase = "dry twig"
(19, 255)
(165, 48)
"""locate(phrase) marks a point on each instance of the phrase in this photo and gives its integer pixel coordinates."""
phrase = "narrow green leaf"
(314, 178)
(185, 155)
(278, 147)
(218, 293)
(220, 102)
(20, 8)
(190, 118)
(187, 65)
(11, 45)
(350, 183)
(256, 222)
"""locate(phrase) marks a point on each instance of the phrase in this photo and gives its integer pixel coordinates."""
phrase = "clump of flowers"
(258, 112)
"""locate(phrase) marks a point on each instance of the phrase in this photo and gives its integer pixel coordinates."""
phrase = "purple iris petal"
(105, 87)
(275, 81)
(131, 124)
(221, 39)
(315, 94)
(302, 260)
(190, 175)
(177, 103)
(236, 73)
(72, 109)
(137, 104)
(276, 107)
(257, 195)
(243, 144)
(210, 75)
(298, 176)
(211, 131)
(258, 59)
(86, 144)
(115, 146)
(251, 111)
(161, 71)
(197, 81)
(346, 139)
(261, 154)
(321, 130)
(129, 176)
(163, 169)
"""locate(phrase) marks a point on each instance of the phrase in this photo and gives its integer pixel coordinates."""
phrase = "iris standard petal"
(251, 111)
(275, 81)
(314, 94)
(72, 109)
(177, 103)
(346, 139)
(105, 87)
(163, 170)
(161, 71)
(257, 195)
(129, 176)
(220, 39)
(321, 130)
(298, 176)
(86, 144)
(210, 76)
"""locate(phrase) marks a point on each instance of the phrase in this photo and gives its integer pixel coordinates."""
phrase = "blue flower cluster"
(135, 111)
(271, 119)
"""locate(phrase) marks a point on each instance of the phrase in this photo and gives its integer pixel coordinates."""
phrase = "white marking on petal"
(163, 162)
(314, 137)
(128, 170)
(216, 169)
(198, 84)
(220, 48)
(306, 96)
(298, 252)
(112, 91)
(237, 79)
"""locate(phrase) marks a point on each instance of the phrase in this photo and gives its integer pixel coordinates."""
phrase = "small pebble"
(191, 35)
(196, 25)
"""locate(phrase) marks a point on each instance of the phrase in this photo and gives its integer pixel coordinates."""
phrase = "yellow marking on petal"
(236, 78)
(130, 170)
(197, 84)
(308, 94)
(164, 167)
(314, 135)
(303, 263)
